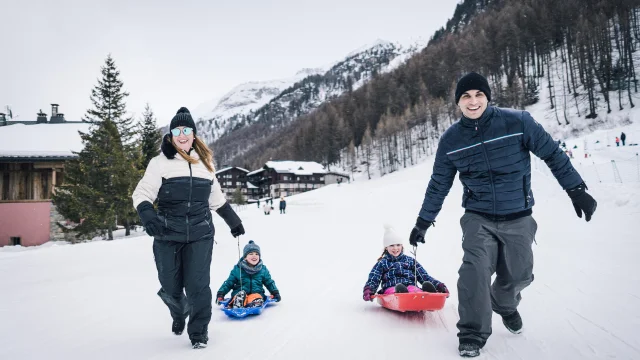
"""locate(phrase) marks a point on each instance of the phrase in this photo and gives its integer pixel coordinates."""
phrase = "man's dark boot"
(513, 322)
(469, 349)
(178, 326)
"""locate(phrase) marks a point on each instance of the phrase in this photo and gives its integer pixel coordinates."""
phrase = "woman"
(182, 180)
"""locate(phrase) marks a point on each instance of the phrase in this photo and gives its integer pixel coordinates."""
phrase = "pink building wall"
(27, 220)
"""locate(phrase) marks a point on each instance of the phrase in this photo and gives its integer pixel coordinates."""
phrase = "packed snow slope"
(98, 300)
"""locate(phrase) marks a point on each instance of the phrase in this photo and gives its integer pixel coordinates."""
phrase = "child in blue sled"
(398, 272)
(254, 277)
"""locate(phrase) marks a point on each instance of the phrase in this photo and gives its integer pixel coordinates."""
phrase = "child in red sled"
(397, 272)
(247, 281)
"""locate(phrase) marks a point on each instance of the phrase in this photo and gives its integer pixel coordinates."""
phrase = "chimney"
(56, 117)
(3, 119)
(42, 117)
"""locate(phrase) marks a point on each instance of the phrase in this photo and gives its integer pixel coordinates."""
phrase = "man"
(490, 148)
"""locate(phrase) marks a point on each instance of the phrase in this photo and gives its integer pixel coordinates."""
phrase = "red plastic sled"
(420, 301)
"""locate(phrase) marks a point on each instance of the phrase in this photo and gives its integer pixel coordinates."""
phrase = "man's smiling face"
(473, 103)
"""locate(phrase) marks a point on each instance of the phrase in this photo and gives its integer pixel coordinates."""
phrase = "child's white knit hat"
(391, 237)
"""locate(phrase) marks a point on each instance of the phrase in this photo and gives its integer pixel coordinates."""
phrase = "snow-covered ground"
(98, 300)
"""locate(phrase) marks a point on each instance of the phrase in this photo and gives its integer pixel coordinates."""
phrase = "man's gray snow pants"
(500, 247)
(186, 267)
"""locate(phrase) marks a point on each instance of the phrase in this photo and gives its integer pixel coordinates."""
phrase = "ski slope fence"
(614, 171)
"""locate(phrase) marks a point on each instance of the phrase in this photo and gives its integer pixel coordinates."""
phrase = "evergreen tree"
(108, 102)
(87, 195)
(150, 137)
(99, 183)
(238, 199)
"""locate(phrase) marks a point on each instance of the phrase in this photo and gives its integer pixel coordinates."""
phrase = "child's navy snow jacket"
(392, 270)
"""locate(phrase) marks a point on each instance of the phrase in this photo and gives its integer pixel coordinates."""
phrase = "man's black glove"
(231, 218)
(152, 225)
(417, 234)
(582, 202)
(238, 230)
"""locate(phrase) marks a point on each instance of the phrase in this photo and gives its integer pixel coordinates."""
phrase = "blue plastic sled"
(244, 312)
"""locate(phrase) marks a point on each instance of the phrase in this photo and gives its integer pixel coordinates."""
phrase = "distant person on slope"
(187, 191)
(266, 208)
(617, 141)
(398, 272)
(283, 205)
(490, 147)
(623, 137)
(247, 281)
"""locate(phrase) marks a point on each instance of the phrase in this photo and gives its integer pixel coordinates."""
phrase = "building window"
(322, 178)
(15, 240)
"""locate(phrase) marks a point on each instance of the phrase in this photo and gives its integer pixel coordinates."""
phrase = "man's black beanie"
(473, 81)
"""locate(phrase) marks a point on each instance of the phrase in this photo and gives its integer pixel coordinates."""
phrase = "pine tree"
(99, 183)
(150, 137)
(108, 102)
(238, 199)
(86, 197)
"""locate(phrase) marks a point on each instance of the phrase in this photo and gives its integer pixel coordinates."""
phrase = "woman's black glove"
(231, 218)
(152, 225)
(238, 230)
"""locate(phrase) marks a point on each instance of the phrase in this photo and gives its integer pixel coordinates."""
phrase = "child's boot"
(255, 303)
(428, 287)
(238, 300)
(401, 288)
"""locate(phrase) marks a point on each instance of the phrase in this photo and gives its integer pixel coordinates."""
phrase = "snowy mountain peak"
(299, 94)
(379, 43)
(310, 71)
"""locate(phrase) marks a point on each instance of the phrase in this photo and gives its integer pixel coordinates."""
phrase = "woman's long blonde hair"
(205, 154)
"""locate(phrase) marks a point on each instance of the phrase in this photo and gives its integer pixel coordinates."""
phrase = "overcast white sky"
(184, 53)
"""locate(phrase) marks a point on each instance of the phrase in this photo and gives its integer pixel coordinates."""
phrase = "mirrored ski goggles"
(186, 131)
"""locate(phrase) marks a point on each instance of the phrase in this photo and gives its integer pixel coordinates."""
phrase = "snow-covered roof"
(229, 168)
(251, 186)
(255, 172)
(296, 167)
(337, 172)
(41, 140)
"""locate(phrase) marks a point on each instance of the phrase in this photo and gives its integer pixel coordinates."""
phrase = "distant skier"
(490, 147)
(283, 205)
(247, 281)
(617, 142)
(623, 137)
(182, 180)
(266, 208)
(398, 272)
